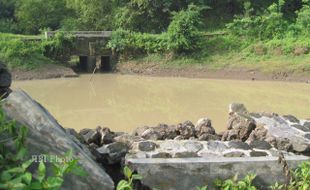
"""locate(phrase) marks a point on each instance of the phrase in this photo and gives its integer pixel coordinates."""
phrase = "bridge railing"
(86, 34)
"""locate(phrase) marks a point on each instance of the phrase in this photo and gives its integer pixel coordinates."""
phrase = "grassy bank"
(21, 51)
(30, 52)
(230, 52)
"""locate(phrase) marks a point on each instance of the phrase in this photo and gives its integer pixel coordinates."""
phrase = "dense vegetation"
(250, 32)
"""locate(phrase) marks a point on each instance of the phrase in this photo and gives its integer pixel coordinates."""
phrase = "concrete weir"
(190, 173)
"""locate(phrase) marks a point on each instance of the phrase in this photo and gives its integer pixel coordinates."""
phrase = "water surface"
(124, 102)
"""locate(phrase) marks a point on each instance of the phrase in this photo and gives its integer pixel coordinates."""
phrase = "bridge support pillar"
(91, 63)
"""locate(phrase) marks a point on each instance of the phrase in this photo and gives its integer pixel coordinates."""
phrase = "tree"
(93, 14)
(34, 15)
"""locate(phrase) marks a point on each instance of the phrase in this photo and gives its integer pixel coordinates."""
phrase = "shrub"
(183, 31)
(59, 47)
(234, 184)
(130, 177)
(16, 51)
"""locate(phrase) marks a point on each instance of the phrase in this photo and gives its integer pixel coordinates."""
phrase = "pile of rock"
(247, 135)
(203, 130)
(285, 132)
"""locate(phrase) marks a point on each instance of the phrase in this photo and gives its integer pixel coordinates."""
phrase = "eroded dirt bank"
(204, 71)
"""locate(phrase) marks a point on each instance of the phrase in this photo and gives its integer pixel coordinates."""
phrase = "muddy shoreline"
(157, 70)
(203, 71)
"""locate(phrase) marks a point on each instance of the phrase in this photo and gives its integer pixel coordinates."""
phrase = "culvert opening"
(82, 65)
(105, 64)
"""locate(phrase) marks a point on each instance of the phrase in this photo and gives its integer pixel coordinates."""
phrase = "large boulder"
(47, 136)
(5, 81)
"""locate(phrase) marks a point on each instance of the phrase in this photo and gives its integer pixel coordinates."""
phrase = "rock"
(242, 126)
(165, 131)
(140, 130)
(128, 139)
(258, 153)
(159, 155)
(216, 146)
(300, 145)
(260, 144)
(307, 125)
(270, 115)
(237, 108)
(204, 126)
(208, 137)
(151, 134)
(112, 153)
(238, 145)
(178, 138)
(307, 136)
(91, 136)
(301, 127)
(45, 135)
(259, 133)
(146, 146)
(291, 118)
(283, 144)
(106, 136)
(5, 81)
(186, 154)
(234, 154)
(186, 129)
(193, 146)
(256, 115)
(170, 145)
(171, 132)
(232, 135)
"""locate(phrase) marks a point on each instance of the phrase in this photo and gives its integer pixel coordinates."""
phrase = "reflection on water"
(124, 102)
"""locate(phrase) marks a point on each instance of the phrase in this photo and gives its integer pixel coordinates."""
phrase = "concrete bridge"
(90, 46)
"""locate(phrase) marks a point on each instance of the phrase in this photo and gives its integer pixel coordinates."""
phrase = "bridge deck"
(83, 34)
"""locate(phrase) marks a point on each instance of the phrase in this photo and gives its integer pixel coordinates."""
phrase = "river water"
(124, 102)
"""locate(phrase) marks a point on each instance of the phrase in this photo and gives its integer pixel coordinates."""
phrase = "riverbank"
(266, 71)
(165, 70)
(47, 71)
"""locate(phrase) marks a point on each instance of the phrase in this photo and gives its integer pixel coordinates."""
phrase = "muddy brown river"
(124, 102)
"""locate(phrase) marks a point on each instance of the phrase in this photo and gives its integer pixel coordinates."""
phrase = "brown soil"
(154, 69)
(203, 71)
(43, 72)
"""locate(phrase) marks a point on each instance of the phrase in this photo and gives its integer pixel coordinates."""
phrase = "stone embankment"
(247, 135)
(252, 142)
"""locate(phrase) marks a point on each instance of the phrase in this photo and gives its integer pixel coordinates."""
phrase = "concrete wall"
(189, 173)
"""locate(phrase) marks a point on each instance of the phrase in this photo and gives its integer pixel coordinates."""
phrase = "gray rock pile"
(247, 135)
(285, 132)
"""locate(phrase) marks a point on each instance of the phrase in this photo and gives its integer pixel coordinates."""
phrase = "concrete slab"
(189, 173)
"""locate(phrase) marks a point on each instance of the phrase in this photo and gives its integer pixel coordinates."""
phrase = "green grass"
(226, 51)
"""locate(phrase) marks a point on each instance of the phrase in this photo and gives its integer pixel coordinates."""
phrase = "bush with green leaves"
(183, 31)
(130, 177)
(233, 184)
(16, 51)
(183, 36)
(298, 179)
(59, 47)
(15, 173)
